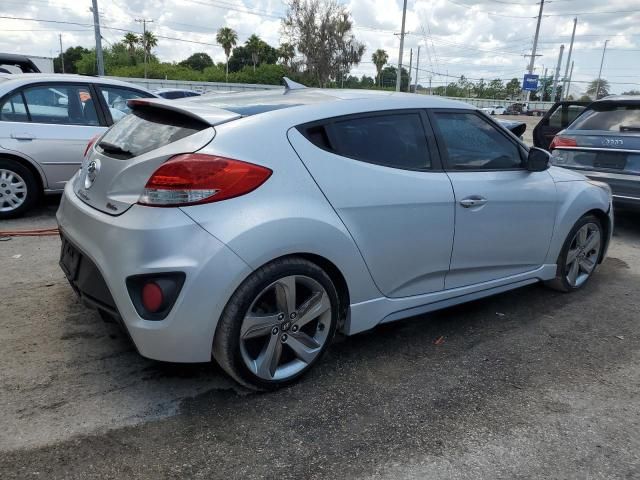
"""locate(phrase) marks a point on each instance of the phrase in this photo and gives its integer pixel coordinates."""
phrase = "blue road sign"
(530, 82)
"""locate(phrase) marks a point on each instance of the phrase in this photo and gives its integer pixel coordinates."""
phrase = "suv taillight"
(194, 178)
(559, 141)
(90, 144)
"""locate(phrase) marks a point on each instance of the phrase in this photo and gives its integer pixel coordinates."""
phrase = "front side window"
(393, 140)
(117, 98)
(13, 109)
(472, 143)
(61, 104)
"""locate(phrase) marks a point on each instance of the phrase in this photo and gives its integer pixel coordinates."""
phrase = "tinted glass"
(472, 143)
(611, 117)
(13, 110)
(392, 140)
(146, 130)
(116, 99)
(61, 104)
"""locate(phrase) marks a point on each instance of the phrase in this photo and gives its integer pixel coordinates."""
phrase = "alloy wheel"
(583, 254)
(286, 327)
(13, 190)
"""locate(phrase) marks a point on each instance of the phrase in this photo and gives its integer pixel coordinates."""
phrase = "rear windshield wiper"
(630, 128)
(114, 149)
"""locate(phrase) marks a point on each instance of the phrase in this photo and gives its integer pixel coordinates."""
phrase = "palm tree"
(286, 52)
(227, 38)
(379, 58)
(131, 40)
(601, 85)
(254, 46)
(149, 40)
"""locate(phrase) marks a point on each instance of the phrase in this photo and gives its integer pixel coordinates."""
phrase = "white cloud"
(477, 38)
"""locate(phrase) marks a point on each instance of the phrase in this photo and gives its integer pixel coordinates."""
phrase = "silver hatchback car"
(45, 123)
(251, 227)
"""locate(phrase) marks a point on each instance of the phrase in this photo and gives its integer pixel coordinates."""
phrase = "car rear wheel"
(277, 324)
(18, 189)
(580, 255)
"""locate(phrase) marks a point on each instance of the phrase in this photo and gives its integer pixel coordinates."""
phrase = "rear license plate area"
(69, 259)
(612, 160)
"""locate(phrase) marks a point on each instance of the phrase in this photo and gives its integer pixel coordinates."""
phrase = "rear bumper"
(624, 187)
(153, 240)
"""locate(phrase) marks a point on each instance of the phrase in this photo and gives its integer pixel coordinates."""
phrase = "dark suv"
(603, 142)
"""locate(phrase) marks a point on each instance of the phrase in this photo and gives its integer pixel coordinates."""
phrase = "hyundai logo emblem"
(92, 172)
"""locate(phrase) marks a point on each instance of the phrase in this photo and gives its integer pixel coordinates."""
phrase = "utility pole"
(544, 83)
(535, 44)
(410, 69)
(446, 82)
(569, 82)
(415, 90)
(399, 75)
(600, 72)
(144, 22)
(557, 75)
(96, 31)
(566, 70)
(61, 53)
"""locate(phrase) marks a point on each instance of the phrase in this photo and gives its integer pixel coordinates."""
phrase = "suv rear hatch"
(119, 164)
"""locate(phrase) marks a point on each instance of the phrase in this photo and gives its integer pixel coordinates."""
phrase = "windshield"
(610, 117)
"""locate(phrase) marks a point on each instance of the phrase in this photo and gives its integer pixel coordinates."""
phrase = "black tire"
(561, 283)
(32, 189)
(226, 342)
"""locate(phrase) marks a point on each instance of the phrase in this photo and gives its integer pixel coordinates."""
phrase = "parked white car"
(494, 110)
(46, 121)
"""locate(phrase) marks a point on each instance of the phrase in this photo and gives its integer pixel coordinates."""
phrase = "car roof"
(619, 98)
(164, 90)
(21, 79)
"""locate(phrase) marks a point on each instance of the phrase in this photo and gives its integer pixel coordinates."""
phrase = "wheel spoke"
(267, 362)
(581, 237)
(304, 347)
(592, 242)
(572, 255)
(286, 294)
(258, 326)
(587, 265)
(573, 273)
(315, 306)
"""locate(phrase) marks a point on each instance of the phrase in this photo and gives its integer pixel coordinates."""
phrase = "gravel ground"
(528, 384)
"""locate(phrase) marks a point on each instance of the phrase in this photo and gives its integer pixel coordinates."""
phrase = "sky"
(477, 38)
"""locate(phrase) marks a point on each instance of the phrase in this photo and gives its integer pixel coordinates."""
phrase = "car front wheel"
(18, 189)
(277, 324)
(580, 255)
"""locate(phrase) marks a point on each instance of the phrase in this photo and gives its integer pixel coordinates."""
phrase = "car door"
(380, 172)
(557, 118)
(504, 213)
(60, 120)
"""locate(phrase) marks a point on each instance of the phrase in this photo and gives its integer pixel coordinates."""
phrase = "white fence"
(155, 84)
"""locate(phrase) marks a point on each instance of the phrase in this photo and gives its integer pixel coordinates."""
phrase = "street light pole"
(535, 44)
(557, 74)
(144, 22)
(61, 53)
(566, 70)
(399, 75)
(415, 90)
(600, 72)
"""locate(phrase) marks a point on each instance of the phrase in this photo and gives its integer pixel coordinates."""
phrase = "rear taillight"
(560, 141)
(195, 178)
(90, 144)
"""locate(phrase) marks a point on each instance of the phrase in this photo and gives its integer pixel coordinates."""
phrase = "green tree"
(379, 59)
(227, 38)
(149, 41)
(131, 40)
(254, 45)
(322, 31)
(70, 57)
(601, 85)
(631, 92)
(479, 89)
(286, 52)
(495, 89)
(513, 88)
(389, 75)
(242, 57)
(198, 61)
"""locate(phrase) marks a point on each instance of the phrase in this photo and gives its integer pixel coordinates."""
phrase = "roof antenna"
(291, 85)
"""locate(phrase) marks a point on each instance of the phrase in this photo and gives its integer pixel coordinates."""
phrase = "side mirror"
(538, 160)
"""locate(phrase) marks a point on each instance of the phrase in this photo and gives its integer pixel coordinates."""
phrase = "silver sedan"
(45, 123)
(250, 228)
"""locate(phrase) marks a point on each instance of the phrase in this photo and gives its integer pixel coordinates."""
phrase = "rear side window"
(146, 130)
(116, 99)
(394, 140)
(610, 117)
(13, 109)
(472, 143)
(61, 104)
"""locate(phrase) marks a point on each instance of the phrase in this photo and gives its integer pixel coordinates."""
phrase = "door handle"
(22, 136)
(473, 201)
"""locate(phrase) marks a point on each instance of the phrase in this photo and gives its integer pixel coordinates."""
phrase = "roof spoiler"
(291, 85)
(207, 114)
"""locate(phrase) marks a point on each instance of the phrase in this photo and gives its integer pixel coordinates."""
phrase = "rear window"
(145, 130)
(611, 117)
